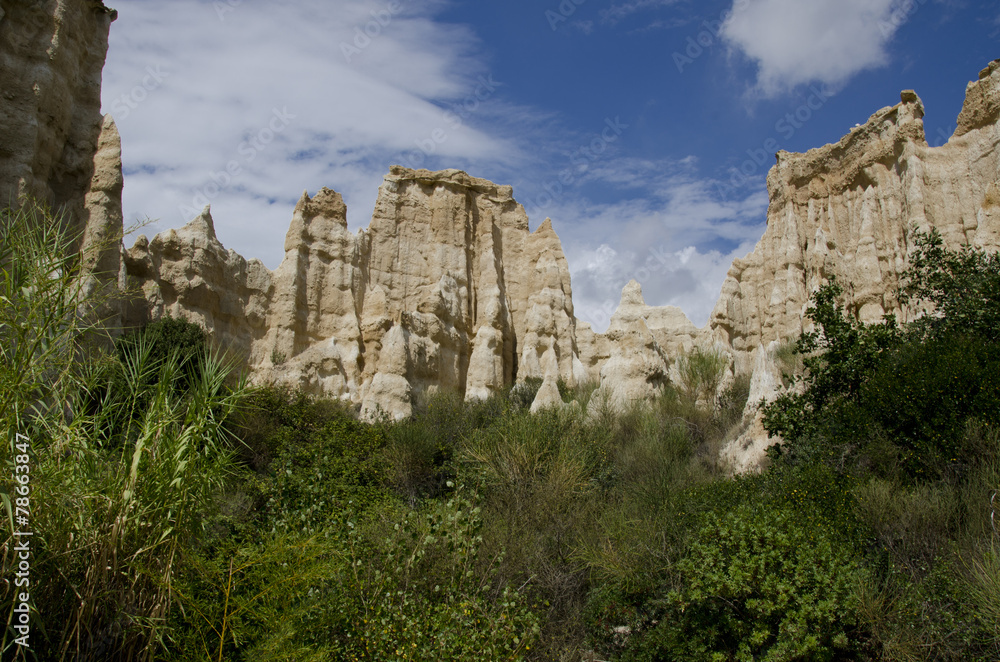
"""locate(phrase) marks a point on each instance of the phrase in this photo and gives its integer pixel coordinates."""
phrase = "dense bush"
(757, 584)
(718, 552)
(421, 593)
(886, 398)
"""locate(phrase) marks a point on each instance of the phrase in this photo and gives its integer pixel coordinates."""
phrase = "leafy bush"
(418, 594)
(324, 462)
(840, 356)
(887, 398)
(958, 291)
(701, 372)
(522, 394)
(757, 584)
(733, 401)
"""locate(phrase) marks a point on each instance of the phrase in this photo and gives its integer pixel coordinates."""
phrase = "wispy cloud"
(672, 234)
(355, 87)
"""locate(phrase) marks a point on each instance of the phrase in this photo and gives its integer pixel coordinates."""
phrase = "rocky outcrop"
(52, 55)
(637, 368)
(446, 289)
(188, 274)
(846, 210)
(102, 218)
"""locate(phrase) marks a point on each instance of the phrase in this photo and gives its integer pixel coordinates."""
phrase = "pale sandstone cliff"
(51, 60)
(637, 368)
(847, 210)
(56, 148)
(446, 289)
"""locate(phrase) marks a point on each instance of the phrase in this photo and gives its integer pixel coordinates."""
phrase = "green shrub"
(701, 372)
(115, 523)
(958, 290)
(321, 469)
(925, 394)
(239, 599)
(877, 396)
(420, 594)
(41, 291)
(984, 593)
(522, 395)
(733, 402)
(757, 584)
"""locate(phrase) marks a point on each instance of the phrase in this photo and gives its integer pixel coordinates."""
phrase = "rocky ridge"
(448, 289)
(847, 210)
(52, 56)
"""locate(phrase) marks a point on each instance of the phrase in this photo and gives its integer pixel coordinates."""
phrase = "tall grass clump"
(128, 455)
(40, 319)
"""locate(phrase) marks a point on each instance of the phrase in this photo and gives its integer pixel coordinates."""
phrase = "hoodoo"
(447, 288)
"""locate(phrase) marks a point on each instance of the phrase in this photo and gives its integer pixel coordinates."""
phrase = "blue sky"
(643, 128)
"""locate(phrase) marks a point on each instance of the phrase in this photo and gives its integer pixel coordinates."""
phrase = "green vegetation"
(180, 515)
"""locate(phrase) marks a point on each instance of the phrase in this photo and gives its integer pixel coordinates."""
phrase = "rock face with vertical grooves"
(52, 56)
(847, 210)
(446, 289)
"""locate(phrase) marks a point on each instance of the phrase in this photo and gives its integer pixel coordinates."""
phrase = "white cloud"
(674, 237)
(794, 42)
(192, 88)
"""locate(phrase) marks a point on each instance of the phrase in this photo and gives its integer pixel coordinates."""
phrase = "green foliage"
(641, 578)
(733, 400)
(525, 453)
(701, 372)
(166, 337)
(115, 522)
(790, 360)
(40, 322)
(959, 291)
(889, 399)
(839, 358)
(420, 593)
(421, 453)
(923, 396)
(229, 595)
(522, 394)
(757, 585)
(321, 461)
(984, 591)
(110, 519)
(188, 518)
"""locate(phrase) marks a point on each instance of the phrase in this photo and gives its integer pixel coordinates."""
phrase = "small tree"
(907, 394)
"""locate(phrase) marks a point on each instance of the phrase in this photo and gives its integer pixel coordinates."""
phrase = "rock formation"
(637, 368)
(847, 210)
(446, 289)
(51, 60)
